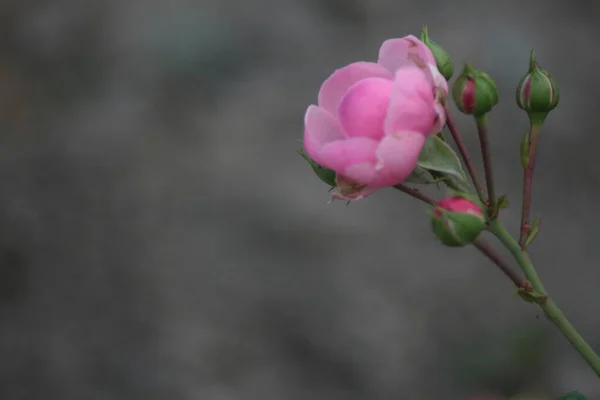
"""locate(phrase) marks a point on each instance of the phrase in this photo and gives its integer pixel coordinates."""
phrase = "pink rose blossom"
(373, 119)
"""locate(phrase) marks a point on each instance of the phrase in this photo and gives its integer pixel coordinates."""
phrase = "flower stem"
(480, 244)
(415, 193)
(462, 149)
(487, 163)
(550, 309)
(520, 256)
(528, 168)
(497, 259)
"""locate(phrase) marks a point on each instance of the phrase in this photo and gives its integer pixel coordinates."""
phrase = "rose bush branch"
(540, 296)
(479, 243)
(464, 153)
(377, 125)
(487, 164)
(415, 193)
(497, 259)
(528, 169)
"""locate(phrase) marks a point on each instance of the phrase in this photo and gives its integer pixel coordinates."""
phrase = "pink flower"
(373, 119)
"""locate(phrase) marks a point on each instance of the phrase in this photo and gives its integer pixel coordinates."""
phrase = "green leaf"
(533, 232)
(325, 174)
(575, 395)
(438, 156)
(420, 176)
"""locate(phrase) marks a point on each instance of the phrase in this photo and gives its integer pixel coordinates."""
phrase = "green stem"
(487, 163)
(522, 258)
(550, 309)
(528, 168)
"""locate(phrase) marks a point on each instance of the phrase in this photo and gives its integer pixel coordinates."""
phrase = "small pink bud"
(457, 221)
(537, 92)
(474, 92)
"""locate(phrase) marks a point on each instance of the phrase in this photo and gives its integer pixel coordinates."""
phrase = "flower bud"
(324, 174)
(474, 92)
(443, 61)
(457, 221)
(537, 91)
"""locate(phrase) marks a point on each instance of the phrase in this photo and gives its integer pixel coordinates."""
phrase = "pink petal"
(363, 109)
(320, 128)
(342, 154)
(397, 53)
(336, 86)
(440, 119)
(437, 78)
(412, 105)
(397, 158)
(364, 172)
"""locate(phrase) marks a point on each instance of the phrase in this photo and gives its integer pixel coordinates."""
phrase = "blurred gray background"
(161, 239)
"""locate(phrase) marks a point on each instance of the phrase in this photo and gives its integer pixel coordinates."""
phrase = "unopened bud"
(442, 59)
(537, 92)
(474, 92)
(457, 221)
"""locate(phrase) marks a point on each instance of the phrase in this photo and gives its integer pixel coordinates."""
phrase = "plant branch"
(487, 163)
(497, 259)
(480, 244)
(462, 149)
(415, 193)
(528, 169)
(551, 310)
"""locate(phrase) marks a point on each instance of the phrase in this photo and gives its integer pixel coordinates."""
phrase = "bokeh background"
(161, 239)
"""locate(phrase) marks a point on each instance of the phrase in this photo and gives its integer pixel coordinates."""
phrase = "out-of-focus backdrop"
(161, 239)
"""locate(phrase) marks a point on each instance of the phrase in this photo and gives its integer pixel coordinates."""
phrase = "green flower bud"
(474, 92)
(324, 174)
(443, 61)
(537, 92)
(457, 221)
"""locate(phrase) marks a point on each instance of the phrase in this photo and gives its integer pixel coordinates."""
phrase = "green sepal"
(325, 174)
(574, 395)
(533, 232)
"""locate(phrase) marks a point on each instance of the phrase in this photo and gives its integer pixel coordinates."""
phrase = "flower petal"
(437, 79)
(412, 105)
(320, 128)
(363, 109)
(397, 53)
(440, 119)
(336, 86)
(397, 156)
(342, 154)
(364, 172)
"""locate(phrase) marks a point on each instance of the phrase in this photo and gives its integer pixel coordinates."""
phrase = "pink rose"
(373, 119)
